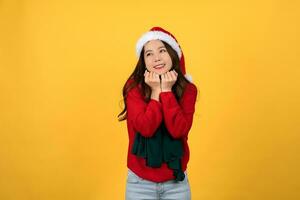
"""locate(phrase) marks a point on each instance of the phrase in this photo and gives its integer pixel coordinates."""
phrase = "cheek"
(168, 59)
(147, 62)
(169, 62)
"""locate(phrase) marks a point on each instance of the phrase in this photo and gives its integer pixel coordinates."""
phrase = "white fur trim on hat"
(153, 35)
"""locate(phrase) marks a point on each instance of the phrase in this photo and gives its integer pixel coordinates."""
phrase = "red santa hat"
(161, 34)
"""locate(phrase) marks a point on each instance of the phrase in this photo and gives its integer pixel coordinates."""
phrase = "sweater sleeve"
(178, 117)
(145, 117)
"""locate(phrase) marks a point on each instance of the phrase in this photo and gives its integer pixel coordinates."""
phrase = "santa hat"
(161, 34)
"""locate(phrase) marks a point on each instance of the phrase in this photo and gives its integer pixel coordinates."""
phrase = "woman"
(159, 107)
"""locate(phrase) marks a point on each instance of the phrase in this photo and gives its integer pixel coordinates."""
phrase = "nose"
(157, 57)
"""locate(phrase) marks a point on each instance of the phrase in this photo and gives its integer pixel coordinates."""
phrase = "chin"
(161, 72)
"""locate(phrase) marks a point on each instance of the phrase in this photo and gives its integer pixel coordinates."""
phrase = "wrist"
(155, 96)
(155, 91)
(166, 90)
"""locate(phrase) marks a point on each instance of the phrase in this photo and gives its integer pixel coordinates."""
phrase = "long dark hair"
(138, 79)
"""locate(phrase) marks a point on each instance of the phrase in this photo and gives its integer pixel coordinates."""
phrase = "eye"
(148, 54)
(162, 50)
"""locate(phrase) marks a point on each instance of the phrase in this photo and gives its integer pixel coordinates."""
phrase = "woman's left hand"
(168, 79)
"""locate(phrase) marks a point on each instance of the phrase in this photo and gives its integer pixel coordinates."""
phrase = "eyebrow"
(157, 48)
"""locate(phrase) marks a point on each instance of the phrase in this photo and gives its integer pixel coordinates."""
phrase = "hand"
(168, 79)
(152, 79)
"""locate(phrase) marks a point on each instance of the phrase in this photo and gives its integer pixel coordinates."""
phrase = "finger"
(162, 77)
(173, 75)
(152, 75)
(175, 72)
(168, 76)
(147, 76)
(156, 77)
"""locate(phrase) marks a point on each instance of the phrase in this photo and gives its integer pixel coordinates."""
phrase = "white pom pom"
(188, 77)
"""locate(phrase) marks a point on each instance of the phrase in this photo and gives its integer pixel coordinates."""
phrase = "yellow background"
(62, 68)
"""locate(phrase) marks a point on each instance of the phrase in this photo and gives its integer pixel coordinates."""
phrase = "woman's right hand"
(152, 79)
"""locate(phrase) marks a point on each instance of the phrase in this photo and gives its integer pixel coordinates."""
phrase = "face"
(157, 58)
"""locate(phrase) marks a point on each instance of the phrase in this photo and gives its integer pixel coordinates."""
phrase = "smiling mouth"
(159, 66)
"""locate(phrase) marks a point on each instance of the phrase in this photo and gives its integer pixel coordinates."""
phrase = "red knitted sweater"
(146, 117)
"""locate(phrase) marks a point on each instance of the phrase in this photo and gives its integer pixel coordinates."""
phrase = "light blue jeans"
(138, 188)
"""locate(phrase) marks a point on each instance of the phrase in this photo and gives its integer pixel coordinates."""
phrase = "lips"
(159, 66)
